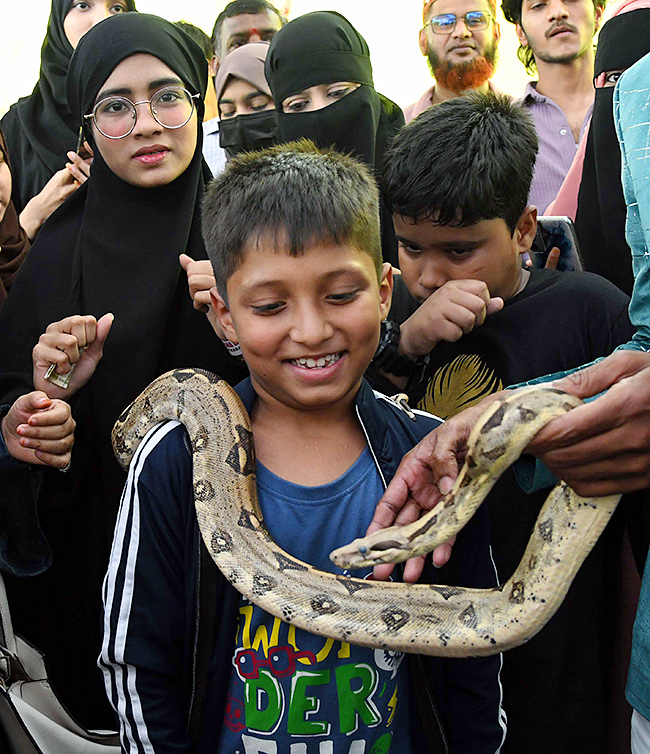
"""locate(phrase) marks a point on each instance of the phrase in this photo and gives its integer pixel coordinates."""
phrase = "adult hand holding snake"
(601, 448)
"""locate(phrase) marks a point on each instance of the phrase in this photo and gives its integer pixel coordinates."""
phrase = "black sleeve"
(468, 691)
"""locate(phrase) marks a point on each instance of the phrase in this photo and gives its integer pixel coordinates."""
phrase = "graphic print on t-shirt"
(459, 384)
(290, 691)
(293, 692)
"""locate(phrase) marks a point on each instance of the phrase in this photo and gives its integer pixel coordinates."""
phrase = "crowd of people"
(250, 205)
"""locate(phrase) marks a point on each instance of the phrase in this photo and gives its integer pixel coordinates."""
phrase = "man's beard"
(464, 76)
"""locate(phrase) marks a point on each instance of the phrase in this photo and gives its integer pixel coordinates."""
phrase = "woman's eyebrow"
(124, 91)
(252, 95)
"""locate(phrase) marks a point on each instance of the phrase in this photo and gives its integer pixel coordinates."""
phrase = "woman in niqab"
(319, 50)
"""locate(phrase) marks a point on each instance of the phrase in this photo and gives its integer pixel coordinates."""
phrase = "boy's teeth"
(323, 361)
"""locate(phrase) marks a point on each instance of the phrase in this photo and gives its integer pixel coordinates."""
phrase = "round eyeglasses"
(475, 20)
(115, 117)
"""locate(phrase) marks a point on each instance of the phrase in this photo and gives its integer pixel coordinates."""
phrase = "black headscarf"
(601, 213)
(40, 129)
(112, 247)
(322, 48)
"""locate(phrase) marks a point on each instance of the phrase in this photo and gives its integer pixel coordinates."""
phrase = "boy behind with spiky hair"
(457, 181)
(293, 235)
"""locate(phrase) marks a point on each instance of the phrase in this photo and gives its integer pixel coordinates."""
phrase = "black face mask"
(246, 133)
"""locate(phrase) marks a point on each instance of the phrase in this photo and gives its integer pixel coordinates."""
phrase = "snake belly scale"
(426, 619)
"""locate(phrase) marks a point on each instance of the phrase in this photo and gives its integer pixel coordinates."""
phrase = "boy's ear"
(525, 229)
(222, 325)
(385, 289)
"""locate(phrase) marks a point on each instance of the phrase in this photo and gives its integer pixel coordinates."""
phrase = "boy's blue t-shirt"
(292, 692)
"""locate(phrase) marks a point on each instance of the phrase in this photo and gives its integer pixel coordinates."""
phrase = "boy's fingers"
(495, 305)
(552, 259)
(185, 261)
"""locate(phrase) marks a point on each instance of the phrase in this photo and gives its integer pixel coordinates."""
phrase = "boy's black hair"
(198, 35)
(290, 196)
(512, 12)
(467, 159)
(239, 8)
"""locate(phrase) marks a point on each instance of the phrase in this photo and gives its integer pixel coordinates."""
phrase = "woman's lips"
(151, 155)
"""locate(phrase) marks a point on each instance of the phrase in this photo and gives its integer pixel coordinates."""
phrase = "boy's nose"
(310, 327)
(432, 277)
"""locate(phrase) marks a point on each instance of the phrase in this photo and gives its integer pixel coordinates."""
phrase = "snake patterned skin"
(421, 618)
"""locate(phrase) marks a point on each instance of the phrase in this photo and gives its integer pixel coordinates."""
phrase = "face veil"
(323, 48)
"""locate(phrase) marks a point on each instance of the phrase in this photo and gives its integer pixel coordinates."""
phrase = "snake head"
(369, 551)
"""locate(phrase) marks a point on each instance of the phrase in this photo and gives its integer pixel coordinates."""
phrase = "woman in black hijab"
(113, 247)
(40, 129)
(601, 213)
(323, 48)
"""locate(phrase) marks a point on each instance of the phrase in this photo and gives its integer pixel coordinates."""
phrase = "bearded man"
(459, 40)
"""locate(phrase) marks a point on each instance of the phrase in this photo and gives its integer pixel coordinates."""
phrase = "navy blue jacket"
(152, 606)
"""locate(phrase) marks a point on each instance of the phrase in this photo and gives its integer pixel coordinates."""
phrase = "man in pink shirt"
(459, 39)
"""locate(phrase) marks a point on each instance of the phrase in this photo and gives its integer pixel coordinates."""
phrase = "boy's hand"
(39, 430)
(200, 279)
(62, 344)
(551, 260)
(452, 311)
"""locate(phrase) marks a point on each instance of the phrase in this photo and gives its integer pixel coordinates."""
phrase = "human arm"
(60, 186)
(145, 596)
(601, 448)
(63, 344)
(39, 431)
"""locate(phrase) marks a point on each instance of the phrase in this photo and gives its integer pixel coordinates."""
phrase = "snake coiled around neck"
(426, 619)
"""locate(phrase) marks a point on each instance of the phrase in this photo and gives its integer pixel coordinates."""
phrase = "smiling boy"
(457, 180)
(293, 235)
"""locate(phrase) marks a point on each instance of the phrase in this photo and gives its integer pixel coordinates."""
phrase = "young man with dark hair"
(293, 235)
(459, 39)
(240, 22)
(556, 41)
(457, 180)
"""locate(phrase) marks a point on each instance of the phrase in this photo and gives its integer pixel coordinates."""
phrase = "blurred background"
(389, 26)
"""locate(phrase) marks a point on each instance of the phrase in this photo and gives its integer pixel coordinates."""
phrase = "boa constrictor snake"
(426, 619)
